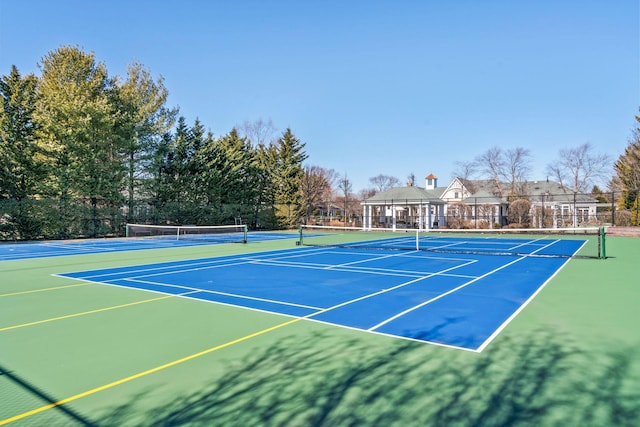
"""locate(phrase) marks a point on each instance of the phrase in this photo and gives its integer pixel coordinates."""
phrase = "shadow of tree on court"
(323, 380)
(10, 396)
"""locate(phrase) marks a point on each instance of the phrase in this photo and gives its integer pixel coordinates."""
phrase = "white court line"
(515, 313)
(448, 246)
(148, 268)
(384, 322)
(324, 267)
(228, 294)
(12, 256)
(365, 260)
(268, 261)
(164, 266)
(421, 341)
(464, 285)
(371, 270)
(78, 247)
(529, 242)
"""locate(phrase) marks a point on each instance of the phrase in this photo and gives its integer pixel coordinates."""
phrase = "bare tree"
(345, 187)
(492, 164)
(517, 169)
(411, 179)
(577, 167)
(508, 169)
(465, 169)
(365, 193)
(384, 182)
(259, 132)
(519, 213)
(316, 187)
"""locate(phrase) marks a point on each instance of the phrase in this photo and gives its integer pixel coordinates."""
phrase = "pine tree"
(78, 132)
(288, 180)
(627, 168)
(143, 120)
(19, 169)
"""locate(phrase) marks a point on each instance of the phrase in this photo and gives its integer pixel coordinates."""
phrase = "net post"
(602, 244)
(300, 238)
(246, 233)
(126, 230)
(417, 240)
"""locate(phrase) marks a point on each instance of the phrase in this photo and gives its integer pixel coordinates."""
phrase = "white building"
(475, 204)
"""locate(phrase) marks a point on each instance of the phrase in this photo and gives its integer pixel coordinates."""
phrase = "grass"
(571, 357)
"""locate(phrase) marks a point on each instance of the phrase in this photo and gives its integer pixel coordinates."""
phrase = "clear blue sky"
(371, 87)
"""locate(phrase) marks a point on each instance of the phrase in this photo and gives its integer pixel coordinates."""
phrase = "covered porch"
(422, 214)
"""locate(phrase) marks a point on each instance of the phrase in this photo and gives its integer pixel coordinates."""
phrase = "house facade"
(553, 205)
(405, 207)
(478, 204)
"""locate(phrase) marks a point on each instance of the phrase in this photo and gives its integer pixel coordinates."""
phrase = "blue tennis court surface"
(29, 250)
(460, 301)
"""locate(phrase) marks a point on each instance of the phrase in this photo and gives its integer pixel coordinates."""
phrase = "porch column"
(393, 216)
(364, 217)
(367, 217)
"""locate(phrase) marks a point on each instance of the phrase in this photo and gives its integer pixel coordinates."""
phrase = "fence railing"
(544, 210)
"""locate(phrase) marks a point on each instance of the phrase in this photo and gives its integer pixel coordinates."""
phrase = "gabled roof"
(553, 191)
(487, 186)
(484, 191)
(406, 194)
(485, 198)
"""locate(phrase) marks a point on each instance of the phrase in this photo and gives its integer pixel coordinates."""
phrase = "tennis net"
(209, 233)
(583, 242)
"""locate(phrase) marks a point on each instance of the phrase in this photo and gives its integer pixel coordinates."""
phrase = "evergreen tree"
(288, 180)
(226, 176)
(19, 169)
(178, 162)
(211, 181)
(78, 122)
(627, 168)
(199, 138)
(238, 168)
(263, 215)
(158, 176)
(144, 120)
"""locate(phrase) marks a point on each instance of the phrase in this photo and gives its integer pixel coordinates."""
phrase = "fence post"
(613, 208)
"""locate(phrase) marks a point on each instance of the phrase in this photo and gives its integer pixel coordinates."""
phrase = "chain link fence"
(529, 211)
(36, 219)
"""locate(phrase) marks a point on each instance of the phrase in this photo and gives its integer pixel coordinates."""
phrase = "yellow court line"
(144, 373)
(68, 316)
(43, 290)
(190, 357)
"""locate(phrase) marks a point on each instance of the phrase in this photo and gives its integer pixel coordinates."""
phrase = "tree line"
(83, 152)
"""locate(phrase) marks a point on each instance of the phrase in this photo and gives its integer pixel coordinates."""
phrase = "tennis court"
(403, 294)
(16, 251)
(325, 329)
